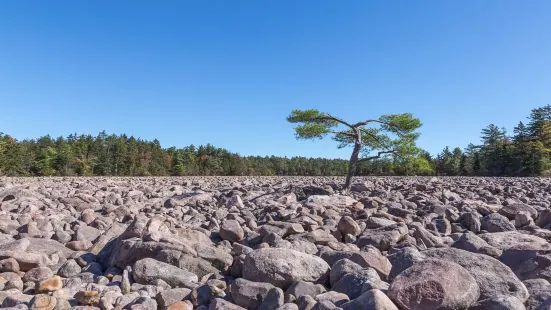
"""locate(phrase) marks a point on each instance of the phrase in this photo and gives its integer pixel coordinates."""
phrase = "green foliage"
(526, 153)
(450, 162)
(394, 133)
(115, 155)
(315, 125)
(388, 136)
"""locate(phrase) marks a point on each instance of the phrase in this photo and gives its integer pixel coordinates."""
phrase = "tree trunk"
(352, 165)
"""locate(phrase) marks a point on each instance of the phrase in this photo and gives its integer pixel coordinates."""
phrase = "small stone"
(101, 280)
(9, 265)
(125, 283)
(51, 285)
(88, 297)
(62, 236)
(77, 245)
(88, 216)
(232, 231)
(306, 302)
(335, 298)
(371, 300)
(148, 269)
(15, 283)
(65, 305)
(348, 238)
(221, 304)
(180, 305)
(523, 218)
(38, 274)
(16, 300)
(347, 225)
(63, 294)
(43, 302)
(273, 300)
(171, 296)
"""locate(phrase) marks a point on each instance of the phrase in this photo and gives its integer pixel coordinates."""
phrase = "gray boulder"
(434, 284)
(341, 268)
(147, 270)
(493, 277)
(497, 223)
(282, 267)
(231, 230)
(351, 284)
(509, 211)
(499, 303)
(539, 290)
(383, 238)
(371, 300)
(249, 294)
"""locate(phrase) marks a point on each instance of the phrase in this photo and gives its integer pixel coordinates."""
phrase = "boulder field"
(275, 243)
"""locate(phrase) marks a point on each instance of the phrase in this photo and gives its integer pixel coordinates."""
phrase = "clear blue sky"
(229, 72)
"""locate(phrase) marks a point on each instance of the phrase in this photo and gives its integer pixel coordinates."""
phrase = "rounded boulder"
(282, 267)
(434, 284)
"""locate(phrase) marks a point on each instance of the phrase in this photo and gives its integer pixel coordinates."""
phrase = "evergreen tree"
(395, 135)
(492, 152)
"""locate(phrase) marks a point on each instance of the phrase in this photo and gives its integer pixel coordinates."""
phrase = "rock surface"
(275, 243)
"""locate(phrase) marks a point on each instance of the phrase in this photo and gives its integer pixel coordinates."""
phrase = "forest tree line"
(526, 153)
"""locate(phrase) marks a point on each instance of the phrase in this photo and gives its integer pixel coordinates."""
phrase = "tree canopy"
(388, 135)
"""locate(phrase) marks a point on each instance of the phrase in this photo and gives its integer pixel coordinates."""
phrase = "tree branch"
(344, 133)
(363, 123)
(374, 138)
(335, 119)
(377, 156)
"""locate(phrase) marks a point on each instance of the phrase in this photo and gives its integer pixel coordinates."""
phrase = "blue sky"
(229, 72)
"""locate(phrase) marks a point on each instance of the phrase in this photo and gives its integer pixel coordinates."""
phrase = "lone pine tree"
(388, 135)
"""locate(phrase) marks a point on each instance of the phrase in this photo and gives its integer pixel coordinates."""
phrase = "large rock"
(221, 304)
(383, 238)
(509, 211)
(517, 247)
(339, 201)
(347, 225)
(370, 300)
(434, 284)
(494, 278)
(192, 199)
(122, 253)
(539, 290)
(536, 267)
(302, 288)
(147, 270)
(351, 283)
(171, 296)
(342, 267)
(371, 257)
(499, 303)
(47, 247)
(38, 274)
(249, 294)
(231, 230)
(497, 223)
(282, 267)
(472, 243)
